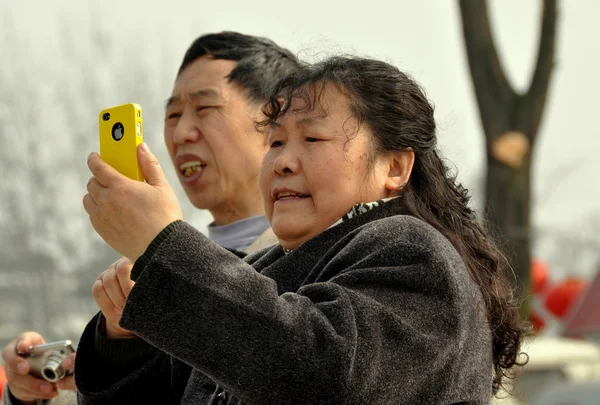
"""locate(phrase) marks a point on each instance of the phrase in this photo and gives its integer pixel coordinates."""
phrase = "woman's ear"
(400, 167)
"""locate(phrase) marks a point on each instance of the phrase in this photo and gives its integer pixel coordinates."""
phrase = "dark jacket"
(379, 309)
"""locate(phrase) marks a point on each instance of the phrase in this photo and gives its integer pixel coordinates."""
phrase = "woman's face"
(320, 164)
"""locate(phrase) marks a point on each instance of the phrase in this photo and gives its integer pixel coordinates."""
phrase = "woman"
(383, 290)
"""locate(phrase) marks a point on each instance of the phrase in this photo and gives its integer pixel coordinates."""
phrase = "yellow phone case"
(121, 131)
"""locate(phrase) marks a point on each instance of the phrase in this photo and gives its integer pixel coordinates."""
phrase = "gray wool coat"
(379, 309)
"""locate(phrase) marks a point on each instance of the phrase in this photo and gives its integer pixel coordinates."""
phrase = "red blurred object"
(563, 295)
(537, 321)
(2, 380)
(540, 276)
(584, 320)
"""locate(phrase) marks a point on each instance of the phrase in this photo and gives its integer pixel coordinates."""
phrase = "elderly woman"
(383, 288)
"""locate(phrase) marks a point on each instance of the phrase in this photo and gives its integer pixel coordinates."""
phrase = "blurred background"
(61, 62)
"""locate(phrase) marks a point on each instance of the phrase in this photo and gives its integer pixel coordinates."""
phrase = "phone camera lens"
(106, 116)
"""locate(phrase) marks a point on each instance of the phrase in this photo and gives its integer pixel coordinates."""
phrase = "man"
(210, 135)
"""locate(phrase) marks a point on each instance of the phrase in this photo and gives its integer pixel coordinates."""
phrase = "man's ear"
(400, 167)
(257, 116)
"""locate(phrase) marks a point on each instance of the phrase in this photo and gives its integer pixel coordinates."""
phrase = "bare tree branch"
(530, 115)
(492, 89)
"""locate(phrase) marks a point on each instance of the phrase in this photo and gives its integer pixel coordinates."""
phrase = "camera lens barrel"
(52, 370)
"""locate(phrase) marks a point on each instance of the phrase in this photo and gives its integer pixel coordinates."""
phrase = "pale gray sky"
(422, 38)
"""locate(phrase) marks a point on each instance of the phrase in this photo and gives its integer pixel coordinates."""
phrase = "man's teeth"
(189, 168)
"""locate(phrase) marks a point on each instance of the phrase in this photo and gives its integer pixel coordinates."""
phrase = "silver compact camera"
(45, 360)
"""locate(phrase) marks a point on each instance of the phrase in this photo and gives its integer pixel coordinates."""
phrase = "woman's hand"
(110, 290)
(129, 214)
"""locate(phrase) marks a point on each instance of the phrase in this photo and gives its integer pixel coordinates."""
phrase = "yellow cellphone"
(121, 131)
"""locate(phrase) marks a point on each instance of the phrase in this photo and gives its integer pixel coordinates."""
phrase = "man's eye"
(310, 139)
(276, 144)
(173, 115)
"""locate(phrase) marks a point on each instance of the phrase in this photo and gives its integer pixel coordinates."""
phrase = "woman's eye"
(276, 144)
(310, 139)
(173, 115)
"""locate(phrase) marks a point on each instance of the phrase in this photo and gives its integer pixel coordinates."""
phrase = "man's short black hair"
(261, 62)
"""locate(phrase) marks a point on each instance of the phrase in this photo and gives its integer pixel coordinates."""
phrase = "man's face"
(212, 140)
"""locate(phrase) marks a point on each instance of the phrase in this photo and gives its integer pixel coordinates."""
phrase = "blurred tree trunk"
(510, 121)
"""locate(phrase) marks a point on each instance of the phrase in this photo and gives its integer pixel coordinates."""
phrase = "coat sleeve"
(381, 327)
(125, 371)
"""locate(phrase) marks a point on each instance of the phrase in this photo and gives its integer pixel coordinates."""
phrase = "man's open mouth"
(189, 168)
